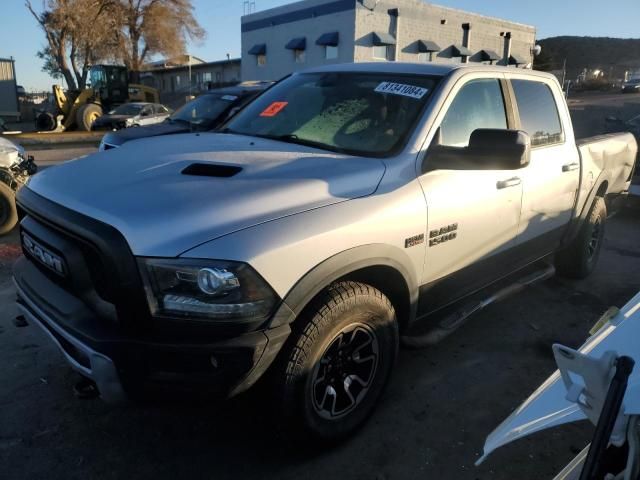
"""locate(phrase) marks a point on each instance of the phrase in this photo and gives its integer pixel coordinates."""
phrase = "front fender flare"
(340, 265)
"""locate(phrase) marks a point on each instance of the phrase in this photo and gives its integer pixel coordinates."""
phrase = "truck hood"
(141, 190)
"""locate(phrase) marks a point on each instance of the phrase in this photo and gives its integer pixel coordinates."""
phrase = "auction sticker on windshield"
(401, 89)
(273, 109)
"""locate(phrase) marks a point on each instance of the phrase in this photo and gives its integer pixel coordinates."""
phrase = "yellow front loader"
(78, 109)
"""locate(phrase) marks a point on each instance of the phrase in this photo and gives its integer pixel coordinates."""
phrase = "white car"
(134, 114)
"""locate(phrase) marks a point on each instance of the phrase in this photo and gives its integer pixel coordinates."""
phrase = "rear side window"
(538, 112)
(479, 104)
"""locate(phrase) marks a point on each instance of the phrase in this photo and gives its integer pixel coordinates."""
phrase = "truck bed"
(609, 157)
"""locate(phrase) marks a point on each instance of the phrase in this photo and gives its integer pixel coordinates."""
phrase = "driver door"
(473, 213)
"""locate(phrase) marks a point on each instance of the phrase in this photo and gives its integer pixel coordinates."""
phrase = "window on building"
(424, 57)
(478, 104)
(218, 77)
(330, 52)
(261, 60)
(381, 52)
(299, 56)
(206, 77)
(538, 112)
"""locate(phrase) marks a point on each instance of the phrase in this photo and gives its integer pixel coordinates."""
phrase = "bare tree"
(152, 27)
(78, 33)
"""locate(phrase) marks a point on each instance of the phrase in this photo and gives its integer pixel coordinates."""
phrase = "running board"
(452, 322)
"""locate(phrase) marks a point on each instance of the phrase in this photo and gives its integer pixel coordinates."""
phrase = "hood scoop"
(211, 170)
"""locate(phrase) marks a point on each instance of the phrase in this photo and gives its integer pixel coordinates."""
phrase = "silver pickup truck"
(298, 244)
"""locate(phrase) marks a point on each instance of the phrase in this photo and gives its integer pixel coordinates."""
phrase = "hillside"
(608, 54)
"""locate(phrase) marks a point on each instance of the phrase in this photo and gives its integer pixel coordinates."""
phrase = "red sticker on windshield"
(273, 109)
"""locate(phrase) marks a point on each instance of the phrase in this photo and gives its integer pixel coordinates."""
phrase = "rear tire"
(86, 115)
(580, 257)
(8, 211)
(336, 363)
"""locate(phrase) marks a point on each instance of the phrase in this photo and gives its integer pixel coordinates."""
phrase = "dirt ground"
(431, 423)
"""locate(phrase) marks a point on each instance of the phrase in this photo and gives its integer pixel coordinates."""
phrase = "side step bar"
(452, 322)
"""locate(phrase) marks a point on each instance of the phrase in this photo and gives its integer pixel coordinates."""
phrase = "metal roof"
(486, 54)
(428, 46)
(299, 43)
(258, 49)
(460, 51)
(329, 38)
(517, 60)
(382, 38)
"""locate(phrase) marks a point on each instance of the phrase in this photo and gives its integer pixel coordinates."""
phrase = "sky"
(21, 38)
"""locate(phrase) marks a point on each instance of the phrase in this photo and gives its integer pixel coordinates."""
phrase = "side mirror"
(500, 149)
(488, 149)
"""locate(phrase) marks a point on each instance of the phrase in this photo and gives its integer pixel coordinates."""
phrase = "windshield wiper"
(293, 138)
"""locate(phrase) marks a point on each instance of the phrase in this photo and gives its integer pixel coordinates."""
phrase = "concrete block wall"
(417, 21)
(280, 61)
(422, 21)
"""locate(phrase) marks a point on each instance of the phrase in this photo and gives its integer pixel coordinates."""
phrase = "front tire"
(337, 361)
(8, 211)
(580, 257)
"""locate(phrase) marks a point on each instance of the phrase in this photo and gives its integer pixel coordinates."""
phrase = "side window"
(479, 104)
(538, 112)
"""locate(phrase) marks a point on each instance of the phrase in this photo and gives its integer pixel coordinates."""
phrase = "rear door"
(473, 214)
(550, 182)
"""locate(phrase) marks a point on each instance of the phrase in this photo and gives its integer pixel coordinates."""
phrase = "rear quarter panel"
(609, 158)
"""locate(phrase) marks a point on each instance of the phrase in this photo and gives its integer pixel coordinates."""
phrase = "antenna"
(249, 7)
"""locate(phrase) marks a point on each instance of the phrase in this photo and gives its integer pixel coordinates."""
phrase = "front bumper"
(120, 362)
(81, 357)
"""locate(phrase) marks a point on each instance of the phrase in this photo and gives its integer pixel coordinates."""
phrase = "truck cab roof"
(423, 68)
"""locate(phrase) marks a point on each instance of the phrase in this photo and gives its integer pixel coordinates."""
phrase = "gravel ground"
(431, 423)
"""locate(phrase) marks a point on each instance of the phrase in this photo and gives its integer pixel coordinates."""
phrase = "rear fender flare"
(581, 217)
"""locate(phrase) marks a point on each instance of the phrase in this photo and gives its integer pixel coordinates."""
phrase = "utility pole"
(190, 76)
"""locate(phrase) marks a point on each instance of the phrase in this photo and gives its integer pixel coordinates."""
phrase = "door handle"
(509, 182)
(569, 167)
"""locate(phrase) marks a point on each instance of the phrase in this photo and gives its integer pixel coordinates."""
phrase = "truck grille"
(101, 267)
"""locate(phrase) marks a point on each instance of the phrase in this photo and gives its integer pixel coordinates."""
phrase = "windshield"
(205, 110)
(357, 113)
(633, 81)
(127, 109)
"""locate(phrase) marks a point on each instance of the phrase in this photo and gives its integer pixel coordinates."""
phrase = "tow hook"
(86, 389)
(20, 321)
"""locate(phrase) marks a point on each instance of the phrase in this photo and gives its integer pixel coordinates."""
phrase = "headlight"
(206, 289)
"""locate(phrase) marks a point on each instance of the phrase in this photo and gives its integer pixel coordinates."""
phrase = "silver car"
(134, 114)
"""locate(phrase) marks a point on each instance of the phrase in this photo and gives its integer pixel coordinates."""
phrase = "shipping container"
(9, 108)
